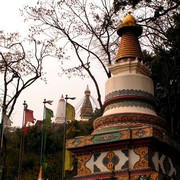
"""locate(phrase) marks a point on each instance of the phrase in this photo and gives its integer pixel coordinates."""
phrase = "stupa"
(130, 141)
(86, 109)
(60, 113)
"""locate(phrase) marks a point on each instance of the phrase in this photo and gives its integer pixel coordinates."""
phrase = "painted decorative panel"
(135, 160)
(79, 141)
(142, 152)
(113, 136)
(138, 158)
(103, 162)
(163, 164)
(130, 92)
(124, 118)
(122, 134)
(82, 169)
(130, 103)
(98, 138)
(147, 176)
(142, 132)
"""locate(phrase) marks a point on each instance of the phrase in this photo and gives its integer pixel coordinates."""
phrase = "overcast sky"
(11, 21)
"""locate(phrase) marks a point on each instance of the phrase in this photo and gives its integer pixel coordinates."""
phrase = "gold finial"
(87, 91)
(129, 19)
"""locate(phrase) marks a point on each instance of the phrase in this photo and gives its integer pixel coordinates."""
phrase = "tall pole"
(42, 137)
(1, 144)
(22, 142)
(2, 127)
(64, 136)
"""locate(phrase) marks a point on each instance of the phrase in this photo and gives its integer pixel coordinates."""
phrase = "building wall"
(134, 159)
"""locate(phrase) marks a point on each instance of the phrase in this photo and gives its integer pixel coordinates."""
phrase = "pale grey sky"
(11, 21)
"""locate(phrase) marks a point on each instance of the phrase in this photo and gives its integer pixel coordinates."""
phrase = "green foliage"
(32, 150)
(165, 67)
(12, 151)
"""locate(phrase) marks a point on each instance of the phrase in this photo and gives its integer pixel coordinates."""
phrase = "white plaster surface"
(129, 81)
(129, 110)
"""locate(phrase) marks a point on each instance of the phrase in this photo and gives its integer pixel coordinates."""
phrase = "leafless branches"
(19, 67)
(89, 28)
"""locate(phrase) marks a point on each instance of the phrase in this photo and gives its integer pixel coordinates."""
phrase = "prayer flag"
(70, 112)
(29, 117)
(69, 157)
(44, 166)
(47, 124)
(40, 176)
(49, 115)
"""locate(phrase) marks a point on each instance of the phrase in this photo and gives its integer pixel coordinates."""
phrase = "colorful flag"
(47, 124)
(49, 115)
(29, 117)
(70, 112)
(69, 158)
(40, 176)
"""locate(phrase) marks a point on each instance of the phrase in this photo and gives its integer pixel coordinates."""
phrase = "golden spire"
(129, 46)
(87, 91)
(129, 19)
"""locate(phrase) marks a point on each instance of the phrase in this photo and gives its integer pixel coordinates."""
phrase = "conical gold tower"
(129, 46)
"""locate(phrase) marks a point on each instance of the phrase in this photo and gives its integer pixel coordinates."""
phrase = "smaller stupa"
(86, 109)
(60, 113)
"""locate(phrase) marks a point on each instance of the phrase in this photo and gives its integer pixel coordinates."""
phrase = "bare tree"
(19, 67)
(89, 35)
(89, 29)
(156, 17)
